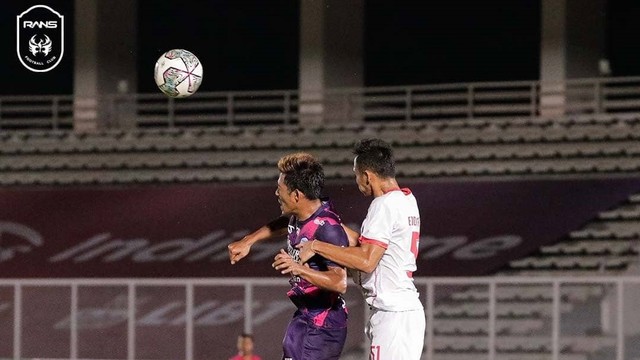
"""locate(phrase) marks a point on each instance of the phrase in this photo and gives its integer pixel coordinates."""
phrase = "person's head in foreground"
(301, 181)
(373, 165)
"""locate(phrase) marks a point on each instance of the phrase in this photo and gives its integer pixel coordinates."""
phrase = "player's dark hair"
(304, 173)
(376, 156)
(246, 335)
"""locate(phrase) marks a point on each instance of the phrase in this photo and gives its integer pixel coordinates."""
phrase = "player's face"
(245, 345)
(362, 180)
(286, 197)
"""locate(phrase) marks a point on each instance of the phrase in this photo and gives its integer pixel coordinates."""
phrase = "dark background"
(242, 45)
(254, 44)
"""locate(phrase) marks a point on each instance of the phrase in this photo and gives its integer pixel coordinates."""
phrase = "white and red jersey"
(393, 222)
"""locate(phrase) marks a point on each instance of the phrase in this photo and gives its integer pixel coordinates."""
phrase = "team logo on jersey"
(318, 222)
(40, 38)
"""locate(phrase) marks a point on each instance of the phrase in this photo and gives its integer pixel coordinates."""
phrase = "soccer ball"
(178, 73)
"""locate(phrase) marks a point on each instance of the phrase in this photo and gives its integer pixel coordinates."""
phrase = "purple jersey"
(325, 307)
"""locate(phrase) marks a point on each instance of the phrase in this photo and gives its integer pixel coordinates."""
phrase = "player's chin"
(284, 211)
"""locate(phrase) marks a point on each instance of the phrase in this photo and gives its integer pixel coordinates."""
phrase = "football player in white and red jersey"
(385, 256)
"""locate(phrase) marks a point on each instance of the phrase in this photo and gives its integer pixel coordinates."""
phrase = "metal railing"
(492, 292)
(369, 104)
(50, 112)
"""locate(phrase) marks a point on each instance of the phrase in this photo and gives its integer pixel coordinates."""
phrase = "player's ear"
(367, 177)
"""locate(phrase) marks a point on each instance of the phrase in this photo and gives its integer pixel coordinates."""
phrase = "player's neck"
(384, 186)
(307, 209)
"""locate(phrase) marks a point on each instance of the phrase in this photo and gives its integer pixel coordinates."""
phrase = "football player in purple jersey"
(318, 328)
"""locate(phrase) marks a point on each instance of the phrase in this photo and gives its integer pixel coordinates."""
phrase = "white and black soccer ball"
(178, 73)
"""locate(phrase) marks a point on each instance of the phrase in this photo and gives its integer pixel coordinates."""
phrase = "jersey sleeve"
(332, 234)
(378, 225)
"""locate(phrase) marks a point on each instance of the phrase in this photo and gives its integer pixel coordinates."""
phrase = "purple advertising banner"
(468, 227)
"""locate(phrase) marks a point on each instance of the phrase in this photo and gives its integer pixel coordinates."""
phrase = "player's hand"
(238, 250)
(305, 251)
(284, 263)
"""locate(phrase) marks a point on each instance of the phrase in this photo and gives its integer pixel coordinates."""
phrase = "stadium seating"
(522, 322)
(435, 149)
(608, 244)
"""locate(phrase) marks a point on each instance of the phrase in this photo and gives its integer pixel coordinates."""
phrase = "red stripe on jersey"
(405, 191)
(364, 240)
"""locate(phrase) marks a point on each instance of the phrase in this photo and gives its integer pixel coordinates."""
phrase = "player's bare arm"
(351, 234)
(364, 257)
(239, 249)
(333, 279)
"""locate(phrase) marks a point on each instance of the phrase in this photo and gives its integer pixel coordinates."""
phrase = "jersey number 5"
(375, 352)
(415, 242)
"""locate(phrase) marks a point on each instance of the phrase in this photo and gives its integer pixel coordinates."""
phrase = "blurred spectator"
(245, 348)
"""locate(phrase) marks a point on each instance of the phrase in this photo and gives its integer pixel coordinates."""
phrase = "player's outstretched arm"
(364, 257)
(239, 249)
(333, 279)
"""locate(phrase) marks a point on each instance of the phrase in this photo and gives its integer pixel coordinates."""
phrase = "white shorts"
(396, 335)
